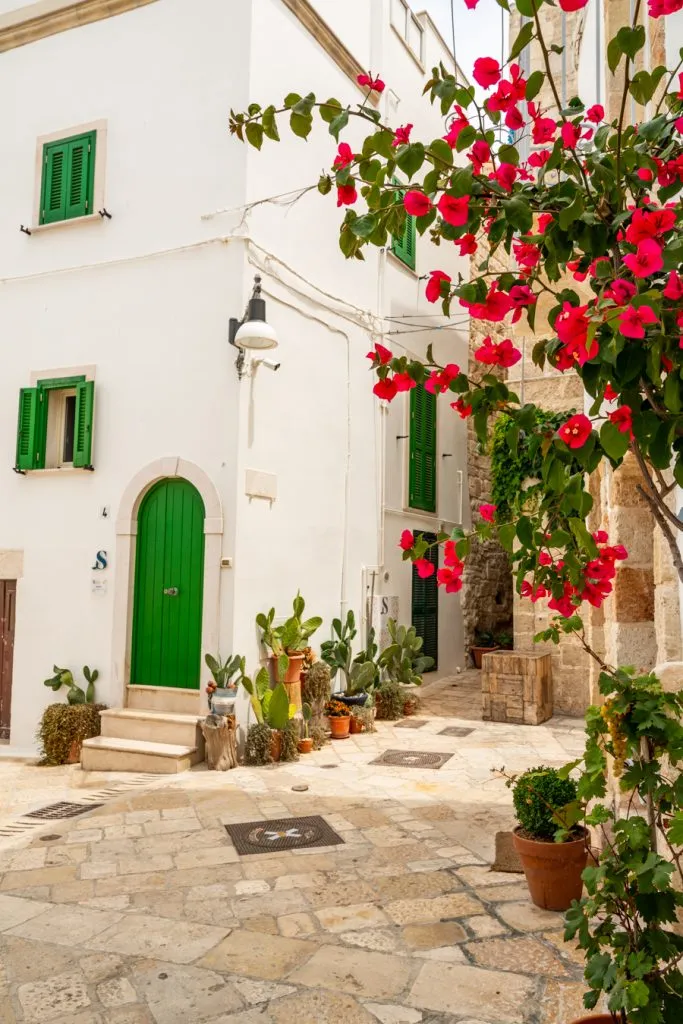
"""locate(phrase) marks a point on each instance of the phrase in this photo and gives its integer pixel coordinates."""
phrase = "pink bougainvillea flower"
(344, 155)
(621, 291)
(539, 159)
(596, 113)
(521, 297)
(407, 541)
(381, 354)
(385, 389)
(346, 195)
(571, 327)
(433, 289)
(402, 135)
(564, 604)
(647, 224)
(502, 353)
(576, 431)
(450, 556)
(533, 593)
(486, 72)
(495, 306)
(544, 558)
(462, 408)
(544, 219)
(467, 245)
(610, 395)
(514, 119)
(573, 266)
(571, 133)
(646, 261)
(572, 5)
(417, 204)
(674, 287)
(658, 8)
(632, 322)
(645, 174)
(488, 512)
(424, 567)
(458, 122)
(505, 175)
(678, 124)
(454, 209)
(543, 130)
(404, 382)
(526, 253)
(368, 82)
(479, 155)
(622, 418)
(471, 4)
(449, 578)
(440, 380)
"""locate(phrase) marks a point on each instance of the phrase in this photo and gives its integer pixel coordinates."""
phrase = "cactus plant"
(402, 661)
(223, 674)
(75, 694)
(289, 638)
(360, 672)
(271, 707)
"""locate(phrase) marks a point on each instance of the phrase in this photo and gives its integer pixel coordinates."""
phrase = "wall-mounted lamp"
(252, 331)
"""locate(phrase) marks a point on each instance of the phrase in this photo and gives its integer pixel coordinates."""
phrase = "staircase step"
(164, 699)
(115, 754)
(152, 726)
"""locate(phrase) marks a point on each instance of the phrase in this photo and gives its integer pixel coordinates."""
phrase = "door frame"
(7, 586)
(124, 571)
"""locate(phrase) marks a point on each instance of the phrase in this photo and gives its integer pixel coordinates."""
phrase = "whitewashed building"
(159, 501)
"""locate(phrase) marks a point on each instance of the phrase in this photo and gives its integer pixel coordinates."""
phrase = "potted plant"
(359, 672)
(389, 701)
(222, 690)
(484, 643)
(287, 644)
(402, 664)
(553, 855)
(356, 724)
(339, 717)
(305, 742)
(272, 709)
(63, 727)
(504, 640)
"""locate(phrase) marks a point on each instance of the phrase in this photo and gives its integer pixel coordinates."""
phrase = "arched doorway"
(168, 587)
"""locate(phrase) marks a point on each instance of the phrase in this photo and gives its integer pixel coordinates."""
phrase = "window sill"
(62, 470)
(91, 218)
(399, 263)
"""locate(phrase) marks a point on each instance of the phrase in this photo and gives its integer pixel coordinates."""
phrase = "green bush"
(509, 470)
(389, 699)
(257, 746)
(536, 795)
(64, 724)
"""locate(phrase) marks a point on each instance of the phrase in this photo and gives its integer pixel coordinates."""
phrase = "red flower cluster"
(656, 8)
(622, 418)
(633, 321)
(459, 122)
(463, 410)
(486, 72)
(450, 576)
(527, 254)
(454, 209)
(571, 327)
(368, 82)
(576, 431)
(440, 380)
(509, 93)
(494, 308)
(433, 289)
(417, 204)
(501, 353)
(402, 135)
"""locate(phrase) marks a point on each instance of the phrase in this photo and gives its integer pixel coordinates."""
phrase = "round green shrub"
(536, 795)
(64, 724)
(257, 746)
(389, 700)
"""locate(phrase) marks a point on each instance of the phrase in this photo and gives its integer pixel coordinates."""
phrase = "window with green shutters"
(422, 469)
(404, 247)
(55, 425)
(425, 604)
(68, 178)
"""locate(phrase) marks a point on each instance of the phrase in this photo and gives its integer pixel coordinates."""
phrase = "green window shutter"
(425, 604)
(85, 403)
(27, 428)
(404, 247)
(80, 177)
(422, 470)
(53, 192)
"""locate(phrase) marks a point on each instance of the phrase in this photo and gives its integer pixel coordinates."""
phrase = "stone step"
(113, 754)
(165, 699)
(154, 726)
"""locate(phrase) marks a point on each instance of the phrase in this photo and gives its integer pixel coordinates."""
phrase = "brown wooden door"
(8, 599)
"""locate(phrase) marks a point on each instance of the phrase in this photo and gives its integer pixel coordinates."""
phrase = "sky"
(477, 33)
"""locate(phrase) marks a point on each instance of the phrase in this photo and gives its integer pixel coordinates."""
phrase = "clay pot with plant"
(288, 643)
(63, 727)
(339, 718)
(305, 742)
(484, 643)
(360, 673)
(273, 713)
(225, 678)
(355, 725)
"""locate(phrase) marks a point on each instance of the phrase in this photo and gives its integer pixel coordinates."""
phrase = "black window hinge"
(17, 470)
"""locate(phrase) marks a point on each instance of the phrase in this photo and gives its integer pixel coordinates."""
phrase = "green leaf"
(338, 123)
(440, 149)
(291, 99)
(672, 392)
(528, 7)
(643, 85)
(301, 124)
(270, 124)
(583, 537)
(524, 37)
(411, 159)
(509, 155)
(534, 84)
(305, 105)
(614, 54)
(660, 447)
(363, 227)
(324, 184)
(254, 134)
(572, 212)
(330, 109)
(613, 441)
(466, 137)
(506, 535)
(631, 40)
(518, 213)
(525, 532)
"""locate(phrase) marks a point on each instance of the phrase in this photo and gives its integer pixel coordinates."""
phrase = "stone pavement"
(458, 696)
(142, 912)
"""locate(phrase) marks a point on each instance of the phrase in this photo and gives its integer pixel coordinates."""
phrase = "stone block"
(632, 644)
(634, 595)
(518, 686)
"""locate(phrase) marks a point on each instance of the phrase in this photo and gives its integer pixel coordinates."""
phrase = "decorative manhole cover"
(455, 730)
(410, 723)
(61, 810)
(282, 834)
(413, 758)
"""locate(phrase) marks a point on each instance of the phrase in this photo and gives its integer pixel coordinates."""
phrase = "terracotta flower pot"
(479, 652)
(339, 727)
(552, 870)
(74, 755)
(275, 745)
(305, 746)
(601, 1018)
(355, 726)
(291, 678)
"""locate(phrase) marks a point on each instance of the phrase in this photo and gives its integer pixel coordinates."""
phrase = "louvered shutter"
(85, 404)
(80, 165)
(425, 604)
(27, 428)
(55, 167)
(422, 469)
(404, 247)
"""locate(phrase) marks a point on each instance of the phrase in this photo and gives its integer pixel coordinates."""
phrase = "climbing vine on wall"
(510, 465)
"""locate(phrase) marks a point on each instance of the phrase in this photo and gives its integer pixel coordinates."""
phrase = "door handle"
(171, 591)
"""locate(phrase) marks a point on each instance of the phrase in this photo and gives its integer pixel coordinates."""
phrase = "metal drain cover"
(455, 730)
(413, 759)
(61, 810)
(282, 834)
(410, 723)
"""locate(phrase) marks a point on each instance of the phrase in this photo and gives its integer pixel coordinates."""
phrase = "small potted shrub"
(360, 673)
(63, 727)
(272, 710)
(287, 644)
(553, 856)
(356, 724)
(222, 690)
(484, 643)
(340, 719)
(305, 742)
(504, 640)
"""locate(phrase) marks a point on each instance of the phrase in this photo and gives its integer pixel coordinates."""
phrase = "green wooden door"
(169, 585)
(426, 604)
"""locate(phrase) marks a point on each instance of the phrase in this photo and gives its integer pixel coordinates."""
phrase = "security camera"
(270, 364)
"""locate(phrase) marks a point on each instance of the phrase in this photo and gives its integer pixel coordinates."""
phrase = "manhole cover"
(61, 810)
(282, 834)
(413, 758)
(455, 730)
(410, 723)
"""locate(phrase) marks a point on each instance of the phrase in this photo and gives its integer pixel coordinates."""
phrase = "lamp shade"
(256, 334)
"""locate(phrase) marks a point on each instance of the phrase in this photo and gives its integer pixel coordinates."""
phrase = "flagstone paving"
(142, 912)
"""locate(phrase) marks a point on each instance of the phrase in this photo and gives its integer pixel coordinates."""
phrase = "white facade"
(140, 303)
